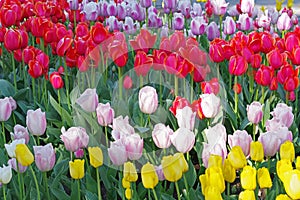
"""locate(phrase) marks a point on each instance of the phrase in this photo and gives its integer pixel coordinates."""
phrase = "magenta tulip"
(44, 157)
(74, 138)
(183, 139)
(36, 122)
(105, 114)
(117, 153)
(5, 109)
(148, 100)
(254, 112)
(161, 135)
(242, 139)
(20, 132)
(88, 100)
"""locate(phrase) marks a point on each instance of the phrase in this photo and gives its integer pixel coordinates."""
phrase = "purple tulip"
(271, 143)
(242, 139)
(164, 31)
(112, 9)
(74, 5)
(294, 19)
(90, 11)
(105, 114)
(148, 100)
(160, 172)
(169, 6)
(196, 10)
(138, 13)
(5, 109)
(274, 16)
(121, 10)
(184, 7)
(186, 118)
(245, 23)
(254, 112)
(79, 153)
(13, 163)
(145, 3)
(129, 26)
(152, 9)
(44, 157)
(20, 132)
(113, 23)
(219, 6)
(161, 135)
(212, 31)
(154, 21)
(247, 6)
(183, 139)
(198, 25)
(103, 8)
(88, 100)
(117, 153)
(74, 138)
(36, 122)
(178, 21)
(284, 114)
(134, 146)
(229, 26)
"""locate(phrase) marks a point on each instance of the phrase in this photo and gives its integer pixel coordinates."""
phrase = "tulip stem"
(177, 189)
(236, 99)
(262, 94)
(221, 20)
(98, 184)
(186, 187)
(33, 90)
(154, 194)
(120, 82)
(78, 188)
(106, 136)
(19, 181)
(228, 189)
(14, 70)
(46, 185)
(141, 81)
(254, 131)
(3, 133)
(36, 183)
(176, 85)
(66, 82)
(4, 193)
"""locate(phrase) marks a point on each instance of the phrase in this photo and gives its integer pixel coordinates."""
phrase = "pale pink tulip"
(148, 100)
(161, 135)
(242, 139)
(186, 118)
(36, 122)
(183, 139)
(88, 100)
(134, 146)
(117, 153)
(105, 114)
(44, 157)
(254, 112)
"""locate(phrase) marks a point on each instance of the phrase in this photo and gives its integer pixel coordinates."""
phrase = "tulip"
(242, 139)
(142, 63)
(178, 21)
(10, 148)
(275, 58)
(229, 172)
(237, 65)
(13, 103)
(23, 155)
(283, 166)
(36, 122)
(127, 82)
(128, 193)
(229, 26)
(170, 169)
(264, 178)
(129, 172)
(145, 3)
(74, 5)
(161, 135)
(287, 151)
(284, 114)
(247, 6)
(291, 182)
(149, 176)
(212, 192)
(186, 118)
(5, 174)
(148, 100)
(74, 138)
(198, 25)
(77, 169)
(134, 146)
(88, 100)
(210, 105)
(270, 143)
(215, 161)
(178, 103)
(13, 163)
(117, 153)
(248, 178)
(105, 114)
(214, 177)
(96, 156)
(44, 157)
(160, 173)
(169, 6)
(237, 157)
(212, 31)
(56, 80)
(256, 151)
(216, 52)
(196, 10)
(5, 109)
(183, 139)
(247, 195)
(12, 40)
(284, 22)
(90, 11)
(264, 75)
(122, 126)
(154, 21)
(297, 163)
(245, 23)
(254, 112)
(125, 184)
(283, 197)
(79, 153)
(219, 6)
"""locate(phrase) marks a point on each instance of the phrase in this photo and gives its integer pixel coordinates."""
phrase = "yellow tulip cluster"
(174, 166)
(129, 176)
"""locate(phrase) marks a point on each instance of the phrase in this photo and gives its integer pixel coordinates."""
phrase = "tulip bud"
(161, 135)
(210, 105)
(5, 174)
(237, 157)
(198, 25)
(287, 151)
(5, 109)
(247, 195)
(96, 156)
(237, 65)
(248, 178)
(56, 80)
(74, 138)
(36, 122)
(44, 157)
(129, 172)
(229, 172)
(149, 176)
(90, 11)
(245, 23)
(219, 6)
(134, 146)
(284, 22)
(127, 84)
(229, 26)
(254, 112)
(212, 31)
(214, 176)
(77, 169)
(128, 193)
(242, 139)
(264, 178)
(270, 143)
(256, 151)
(105, 114)
(23, 155)
(117, 153)
(148, 100)
(186, 118)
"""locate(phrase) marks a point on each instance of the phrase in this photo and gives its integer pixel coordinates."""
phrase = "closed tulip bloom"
(128, 193)
(134, 146)
(88, 100)
(198, 25)
(44, 157)
(229, 26)
(287, 151)
(13, 163)
(212, 31)
(160, 173)
(122, 126)
(148, 100)
(212, 192)
(204, 182)
(161, 135)
(20, 132)
(96, 156)
(149, 176)
(183, 139)
(248, 178)
(257, 151)
(247, 6)
(181, 162)
(291, 182)
(270, 142)
(247, 195)
(237, 157)
(219, 6)
(229, 172)
(129, 172)
(145, 3)
(74, 138)
(254, 112)
(10, 148)
(5, 174)
(79, 153)
(245, 23)
(36, 122)
(283, 197)
(77, 169)
(242, 139)
(264, 178)
(5, 109)
(215, 161)
(127, 82)
(105, 114)
(117, 153)
(23, 155)
(90, 11)
(210, 105)
(186, 118)
(170, 169)
(284, 114)
(215, 178)
(284, 22)
(282, 166)
(237, 65)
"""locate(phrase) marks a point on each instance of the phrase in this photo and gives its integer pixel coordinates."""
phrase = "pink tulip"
(134, 146)
(198, 25)
(229, 26)
(13, 163)
(117, 153)
(271, 143)
(161, 135)
(36, 122)
(5, 109)
(88, 100)
(183, 139)
(13, 103)
(74, 138)
(90, 11)
(284, 134)
(148, 100)
(210, 105)
(274, 124)
(20, 132)
(127, 83)
(186, 118)
(219, 6)
(242, 139)
(254, 112)
(284, 22)
(44, 157)
(247, 6)
(121, 126)
(79, 153)
(160, 172)
(105, 114)
(284, 114)
(245, 23)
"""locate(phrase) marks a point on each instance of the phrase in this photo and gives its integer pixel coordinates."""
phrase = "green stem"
(120, 82)
(251, 85)
(36, 183)
(160, 89)
(176, 85)
(221, 21)
(46, 185)
(78, 188)
(19, 181)
(287, 98)
(186, 187)
(14, 70)
(141, 81)
(192, 88)
(33, 91)
(59, 102)
(66, 82)
(3, 133)
(4, 193)
(106, 136)
(262, 94)
(154, 194)
(98, 184)
(86, 162)
(236, 99)
(254, 131)
(22, 183)
(228, 189)
(177, 190)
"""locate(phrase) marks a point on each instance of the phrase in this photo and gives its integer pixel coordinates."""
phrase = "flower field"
(126, 100)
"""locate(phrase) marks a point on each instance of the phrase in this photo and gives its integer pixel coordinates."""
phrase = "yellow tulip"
(237, 157)
(129, 172)
(215, 161)
(125, 184)
(287, 151)
(204, 183)
(180, 159)
(212, 193)
(128, 193)
(77, 169)
(256, 151)
(290, 3)
(283, 197)
(215, 178)
(247, 195)
(248, 178)
(23, 155)
(264, 178)
(298, 162)
(96, 156)
(283, 166)
(279, 4)
(170, 168)
(229, 172)
(149, 176)
(291, 182)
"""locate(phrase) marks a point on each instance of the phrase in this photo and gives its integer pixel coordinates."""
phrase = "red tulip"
(28, 9)
(61, 32)
(268, 42)
(142, 63)
(255, 42)
(12, 40)
(196, 107)
(216, 51)
(194, 55)
(42, 9)
(71, 57)
(35, 69)
(18, 55)
(8, 16)
(291, 41)
(285, 72)
(211, 86)
(177, 40)
(237, 88)
(280, 44)
(24, 38)
(63, 45)
(228, 51)
(143, 41)
(175, 64)
(56, 80)
(118, 50)
(36, 26)
(2, 33)
(200, 72)
(275, 58)
(178, 103)
(28, 54)
(50, 35)
(80, 45)
(292, 96)
(237, 65)
(274, 83)
(264, 75)
(295, 56)
(98, 33)
(159, 57)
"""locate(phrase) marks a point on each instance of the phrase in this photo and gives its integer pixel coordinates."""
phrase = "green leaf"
(21, 94)
(165, 196)
(91, 184)
(228, 109)
(266, 112)
(59, 194)
(90, 196)
(6, 89)
(61, 111)
(191, 175)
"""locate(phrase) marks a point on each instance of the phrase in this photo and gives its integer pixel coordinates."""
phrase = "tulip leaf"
(59, 194)
(266, 112)
(204, 42)
(232, 115)
(90, 196)
(65, 116)
(165, 196)
(21, 94)
(244, 124)
(191, 175)
(6, 89)
(90, 183)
